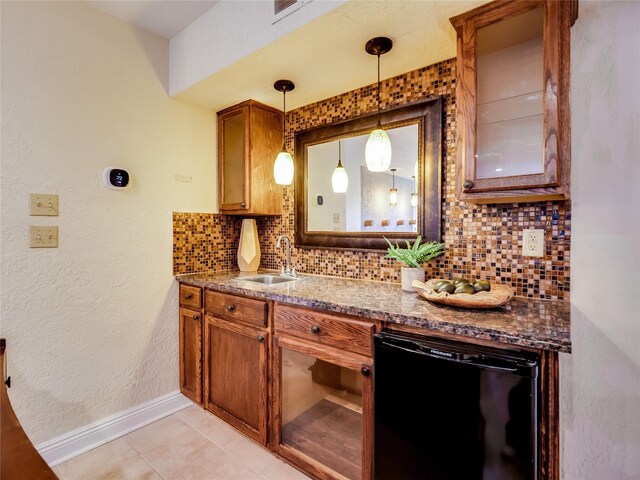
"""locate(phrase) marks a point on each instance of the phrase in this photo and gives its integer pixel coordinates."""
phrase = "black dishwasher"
(452, 411)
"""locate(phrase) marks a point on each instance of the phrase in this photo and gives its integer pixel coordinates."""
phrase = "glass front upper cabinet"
(513, 131)
(249, 138)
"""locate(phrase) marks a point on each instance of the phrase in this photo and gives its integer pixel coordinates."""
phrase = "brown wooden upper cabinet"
(513, 122)
(249, 139)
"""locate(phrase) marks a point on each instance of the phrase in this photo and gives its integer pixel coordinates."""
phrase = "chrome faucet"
(286, 268)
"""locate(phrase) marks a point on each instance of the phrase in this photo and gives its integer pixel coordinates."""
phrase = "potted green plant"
(413, 256)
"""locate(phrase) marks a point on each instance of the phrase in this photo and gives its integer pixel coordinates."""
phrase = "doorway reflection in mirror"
(364, 207)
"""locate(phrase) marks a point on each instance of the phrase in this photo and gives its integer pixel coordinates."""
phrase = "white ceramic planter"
(408, 275)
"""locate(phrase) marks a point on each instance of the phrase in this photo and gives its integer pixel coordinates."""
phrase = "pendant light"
(283, 166)
(378, 150)
(414, 195)
(340, 179)
(393, 191)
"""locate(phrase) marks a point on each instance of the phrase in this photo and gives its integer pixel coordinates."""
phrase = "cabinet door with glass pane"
(323, 409)
(512, 94)
(233, 139)
(249, 139)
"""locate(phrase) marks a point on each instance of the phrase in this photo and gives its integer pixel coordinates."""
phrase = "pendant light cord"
(284, 118)
(379, 124)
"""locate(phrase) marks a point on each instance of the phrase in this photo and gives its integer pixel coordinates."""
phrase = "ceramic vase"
(249, 247)
(408, 275)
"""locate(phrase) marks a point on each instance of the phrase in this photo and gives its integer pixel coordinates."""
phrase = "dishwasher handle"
(516, 366)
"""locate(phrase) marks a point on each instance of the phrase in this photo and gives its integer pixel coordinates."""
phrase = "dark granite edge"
(523, 340)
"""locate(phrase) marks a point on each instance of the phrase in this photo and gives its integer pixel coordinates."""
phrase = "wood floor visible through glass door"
(322, 412)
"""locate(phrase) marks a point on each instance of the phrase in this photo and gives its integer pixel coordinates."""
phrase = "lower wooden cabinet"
(323, 392)
(191, 354)
(236, 375)
(323, 409)
(300, 381)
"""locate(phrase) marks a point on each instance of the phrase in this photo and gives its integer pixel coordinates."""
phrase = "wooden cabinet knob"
(243, 205)
(196, 316)
(467, 184)
(231, 308)
(189, 296)
(315, 329)
(365, 371)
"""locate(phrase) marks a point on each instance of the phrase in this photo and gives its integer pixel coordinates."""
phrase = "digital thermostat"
(115, 178)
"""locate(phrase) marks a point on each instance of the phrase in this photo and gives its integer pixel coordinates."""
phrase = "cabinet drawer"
(232, 307)
(191, 297)
(325, 328)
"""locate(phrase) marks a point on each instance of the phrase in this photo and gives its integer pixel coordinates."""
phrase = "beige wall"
(600, 381)
(92, 326)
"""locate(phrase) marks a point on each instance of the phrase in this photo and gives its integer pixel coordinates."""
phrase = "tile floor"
(188, 445)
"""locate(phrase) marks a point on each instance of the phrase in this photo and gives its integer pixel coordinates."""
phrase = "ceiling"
(326, 57)
(166, 18)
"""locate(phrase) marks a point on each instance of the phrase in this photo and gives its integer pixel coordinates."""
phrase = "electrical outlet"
(533, 243)
(43, 237)
(43, 204)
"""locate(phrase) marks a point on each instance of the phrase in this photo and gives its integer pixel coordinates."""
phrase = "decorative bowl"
(498, 296)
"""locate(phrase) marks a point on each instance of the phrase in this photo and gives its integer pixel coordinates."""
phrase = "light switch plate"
(44, 204)
(43, 237)
(183, 178)
(533, 243)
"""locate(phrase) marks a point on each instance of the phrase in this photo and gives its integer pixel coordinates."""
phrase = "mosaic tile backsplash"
(204, 241)
(482, 241)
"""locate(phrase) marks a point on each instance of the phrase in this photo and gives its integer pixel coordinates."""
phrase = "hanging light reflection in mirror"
(377, 152)
(414, 195)
(339, 179)
(393, 191)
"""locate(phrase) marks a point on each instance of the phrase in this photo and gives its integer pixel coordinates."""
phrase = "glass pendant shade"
(393, 196)
(377, 153)
(393, 191)
(283, 168)
(340, 179)
(414, 195)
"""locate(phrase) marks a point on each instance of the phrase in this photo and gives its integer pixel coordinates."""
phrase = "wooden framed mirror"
(359, 218)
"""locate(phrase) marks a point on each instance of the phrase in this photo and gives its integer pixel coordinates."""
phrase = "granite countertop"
(542, 324)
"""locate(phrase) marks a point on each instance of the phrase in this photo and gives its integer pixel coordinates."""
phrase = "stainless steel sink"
(269, 279)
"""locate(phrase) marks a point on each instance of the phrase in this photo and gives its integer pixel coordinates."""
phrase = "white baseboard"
(69, 445)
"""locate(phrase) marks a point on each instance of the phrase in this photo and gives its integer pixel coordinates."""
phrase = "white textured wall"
(600, 381)
(92, 326)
